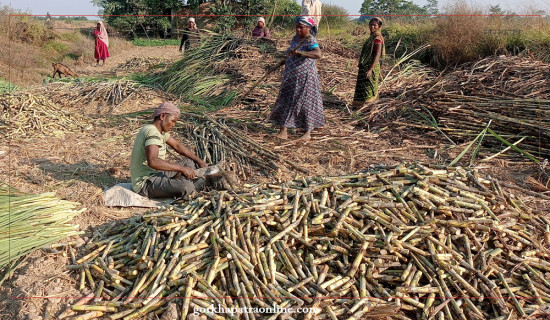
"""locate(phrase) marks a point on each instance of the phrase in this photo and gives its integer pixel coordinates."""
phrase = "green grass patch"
(70, 37)
(56, 46)
(71, 55)
(4, 86)
(140, 42)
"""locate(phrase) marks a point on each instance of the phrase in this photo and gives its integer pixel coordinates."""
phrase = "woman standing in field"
(101, 43)
(190, 36)
(366, 89)
(299, 104)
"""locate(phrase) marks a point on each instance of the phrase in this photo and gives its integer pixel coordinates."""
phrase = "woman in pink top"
(261, 31)
(101, 43)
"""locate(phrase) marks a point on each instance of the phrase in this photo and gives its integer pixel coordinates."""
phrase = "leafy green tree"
(226, 23)
(496, 10)
(337, 16)
(390, 7)
(431, 7)
(285, 11)
(130, 25)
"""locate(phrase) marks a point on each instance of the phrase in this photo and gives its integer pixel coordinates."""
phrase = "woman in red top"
(101, 43)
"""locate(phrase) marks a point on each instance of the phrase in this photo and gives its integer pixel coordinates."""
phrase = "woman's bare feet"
(306, 136)
(283, 134)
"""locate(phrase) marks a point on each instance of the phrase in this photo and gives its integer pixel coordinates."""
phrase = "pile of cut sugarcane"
(31, 115)
(443, 243)
(511, 92)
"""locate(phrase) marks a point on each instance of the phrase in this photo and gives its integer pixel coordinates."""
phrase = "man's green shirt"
(139, 170)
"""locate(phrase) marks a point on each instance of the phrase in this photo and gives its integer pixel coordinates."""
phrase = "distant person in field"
(312, 8)
(261, 31)
(300, 104)
(368, 77)
(153, 176)
(101, 43)
(190, 36)
(49, 22)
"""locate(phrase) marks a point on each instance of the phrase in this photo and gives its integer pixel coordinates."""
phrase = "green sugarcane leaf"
(467, 148)
(474, 154)
(513, 146)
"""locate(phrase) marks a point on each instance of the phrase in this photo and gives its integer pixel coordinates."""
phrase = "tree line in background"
(144, 11)
(397, 7)
(278, 13)
(144, 21)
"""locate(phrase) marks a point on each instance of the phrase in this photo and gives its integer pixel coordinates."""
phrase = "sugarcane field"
(246, 160)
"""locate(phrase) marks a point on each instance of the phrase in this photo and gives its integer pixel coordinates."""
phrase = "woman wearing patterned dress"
(366, 89)
(300, 104)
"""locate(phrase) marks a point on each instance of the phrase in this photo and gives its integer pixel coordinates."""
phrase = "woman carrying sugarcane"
(366, 89)
(101, 51)
(300, 104)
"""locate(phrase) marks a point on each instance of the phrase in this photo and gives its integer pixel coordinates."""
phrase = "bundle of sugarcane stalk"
(512, 76)
(216, 141)
(108, 94)
(29, 114)
(139, 64)
(32, 221)
(513, 118)
(336, 47)
(433, 242)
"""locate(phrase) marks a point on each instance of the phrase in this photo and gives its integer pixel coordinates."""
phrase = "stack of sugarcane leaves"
(30, 115)
(431, 242)
(202, 75)
(195, 74)
(217, 141)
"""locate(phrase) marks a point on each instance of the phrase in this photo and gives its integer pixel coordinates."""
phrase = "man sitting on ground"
(152, 175)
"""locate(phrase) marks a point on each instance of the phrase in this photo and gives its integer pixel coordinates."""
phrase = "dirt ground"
(79, 166)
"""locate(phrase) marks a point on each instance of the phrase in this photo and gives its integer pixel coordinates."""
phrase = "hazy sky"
(85, 7)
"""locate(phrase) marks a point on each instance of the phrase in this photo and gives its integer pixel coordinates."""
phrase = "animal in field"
(59, 69)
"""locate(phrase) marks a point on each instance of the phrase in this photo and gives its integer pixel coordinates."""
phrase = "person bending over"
(153, 176)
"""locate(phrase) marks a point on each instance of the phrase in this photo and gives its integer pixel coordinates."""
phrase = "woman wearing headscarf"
(300, 104)
(190, 34)
(366, 89)
(261, 31)
(101, 43)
